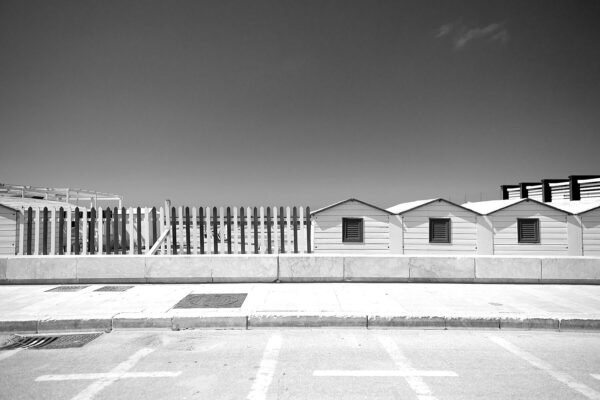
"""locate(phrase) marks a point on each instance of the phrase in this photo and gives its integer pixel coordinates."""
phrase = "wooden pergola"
(68, 195)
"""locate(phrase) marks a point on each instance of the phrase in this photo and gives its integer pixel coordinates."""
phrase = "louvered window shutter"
(439, 230)
(528, 230)
(352, 230)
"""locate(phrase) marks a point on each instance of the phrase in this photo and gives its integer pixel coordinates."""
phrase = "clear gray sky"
(297, 102)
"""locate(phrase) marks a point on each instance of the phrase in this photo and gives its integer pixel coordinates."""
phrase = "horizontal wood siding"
(328, 229)
(463, 230)
(8, 231)
(553, 230)
(591, 233)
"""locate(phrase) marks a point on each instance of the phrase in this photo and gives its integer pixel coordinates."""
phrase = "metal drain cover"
(212, 300)
(113, 288)
(49, 341)
(70, 288)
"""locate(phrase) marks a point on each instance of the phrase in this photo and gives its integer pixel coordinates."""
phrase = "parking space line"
(416, 383)
(102, 380)
(382, 373)
(596, 376)
(546, 367)
(4, 354)
(265, 372)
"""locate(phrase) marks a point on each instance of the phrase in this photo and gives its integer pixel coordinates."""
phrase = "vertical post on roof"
(523, 190)
(308, 230)
(574, 188)
(504, 191)
(546, 191)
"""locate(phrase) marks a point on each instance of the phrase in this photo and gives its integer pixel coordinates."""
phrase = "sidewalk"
(368, 305)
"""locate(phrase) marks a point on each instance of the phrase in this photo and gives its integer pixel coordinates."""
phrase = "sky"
(297, 102)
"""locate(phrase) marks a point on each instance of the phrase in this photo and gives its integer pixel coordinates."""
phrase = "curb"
(260, 321)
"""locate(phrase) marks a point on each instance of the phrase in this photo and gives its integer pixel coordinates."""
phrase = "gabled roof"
(346, 201)
(405, 207)
(577, 206)
(16, 203)
(492, 206)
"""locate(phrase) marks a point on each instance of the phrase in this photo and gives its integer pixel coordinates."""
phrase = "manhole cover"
(66, 289)
(113, 288)
(212, 300)
(49, 341)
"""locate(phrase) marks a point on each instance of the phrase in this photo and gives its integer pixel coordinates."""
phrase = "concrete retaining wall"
(298, 268)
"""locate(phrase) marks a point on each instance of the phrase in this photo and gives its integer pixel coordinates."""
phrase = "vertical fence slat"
(22, 250)
(116, 240)
(161, 227)
(274, 237)
(194, 231)
(228, 223)
(76, 220)
(242, 231)
(108, 225)
(295, 227)
(92, 236)
(61, 230)
(147, 240)
(263, 233)
(201, 223)
(174, 229)
(123, 231)
(282, 228)
(100, 219)
(214, 231)
(269, 230)
(308, 231)
(255, 229)
(29, 230)
(45, 231)
(53, 231)
(68, 245)
(181, 231)
(222, 248)
(208, 229)
(84, 233)
(302, 231)
(37, 220)
(131, 230)
(289, 238)
(154, 232)
(236, 248)
(187, 231)
(138, 221)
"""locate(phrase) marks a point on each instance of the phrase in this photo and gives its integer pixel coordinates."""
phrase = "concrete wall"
(299, 268)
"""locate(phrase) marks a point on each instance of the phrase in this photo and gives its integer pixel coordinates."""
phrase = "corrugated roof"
(578, 206)
(491, 206)
(16, 203)
(346, 201)
(403, 207)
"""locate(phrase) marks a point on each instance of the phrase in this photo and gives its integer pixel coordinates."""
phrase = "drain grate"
(212, 300)
(70, 288)
(113, 288)
(49, 341)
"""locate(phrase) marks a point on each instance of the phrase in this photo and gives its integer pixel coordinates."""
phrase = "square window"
(352, 229)
(439, 230)
(528, 230)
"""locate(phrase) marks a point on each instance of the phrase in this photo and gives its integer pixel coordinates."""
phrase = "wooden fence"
(175, 230)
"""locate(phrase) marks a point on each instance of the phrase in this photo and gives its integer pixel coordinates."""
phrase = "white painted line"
(265, 373)
(549, 369)
(4, 354)
(597, 376)
(107, 375)
(380, 373)
(102, 380)
(416, 383)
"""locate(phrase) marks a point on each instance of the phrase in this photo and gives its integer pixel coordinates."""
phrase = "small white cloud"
(461, 34)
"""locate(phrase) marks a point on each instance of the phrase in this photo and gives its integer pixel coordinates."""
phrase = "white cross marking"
(102, 380)
(405, 370)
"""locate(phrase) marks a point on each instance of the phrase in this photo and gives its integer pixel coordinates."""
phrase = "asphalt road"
(310, 364)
